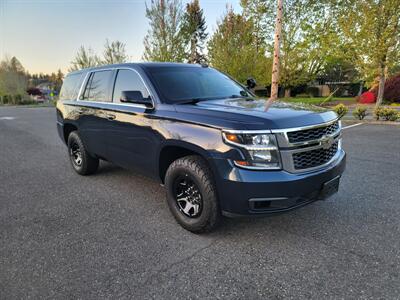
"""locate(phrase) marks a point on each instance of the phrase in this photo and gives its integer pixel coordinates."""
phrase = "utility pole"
(277, 42)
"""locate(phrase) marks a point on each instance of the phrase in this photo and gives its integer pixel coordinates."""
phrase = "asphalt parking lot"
(111, 235)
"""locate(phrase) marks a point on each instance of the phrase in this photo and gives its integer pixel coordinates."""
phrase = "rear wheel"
(191, 194)
(82, 162)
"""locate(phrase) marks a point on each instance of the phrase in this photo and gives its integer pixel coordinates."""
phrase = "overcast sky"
(45, 34)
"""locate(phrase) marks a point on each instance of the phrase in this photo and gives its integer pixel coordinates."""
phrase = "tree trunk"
(277, 42)
(361, 88)
(381, 86)
(287, 93)
(193, 58)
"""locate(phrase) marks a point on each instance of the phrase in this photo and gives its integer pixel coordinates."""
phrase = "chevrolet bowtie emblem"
(327, 142)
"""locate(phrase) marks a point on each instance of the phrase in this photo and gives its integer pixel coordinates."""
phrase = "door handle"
(110, 117)
(80, 111)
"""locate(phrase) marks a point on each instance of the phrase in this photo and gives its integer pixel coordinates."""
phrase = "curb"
(370, 122)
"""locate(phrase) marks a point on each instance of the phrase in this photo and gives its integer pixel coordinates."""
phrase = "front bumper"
(247, 192)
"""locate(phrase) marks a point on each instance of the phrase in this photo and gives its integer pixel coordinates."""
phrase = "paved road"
(111, 235)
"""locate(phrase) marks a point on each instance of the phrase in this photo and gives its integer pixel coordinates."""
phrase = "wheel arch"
(67, 129)
(173, 150)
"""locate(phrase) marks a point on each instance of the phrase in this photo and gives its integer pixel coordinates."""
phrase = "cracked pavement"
(111, 235)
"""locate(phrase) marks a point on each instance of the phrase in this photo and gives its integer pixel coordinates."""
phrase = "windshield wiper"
(190, 101)
(196, 100)
(237, 96)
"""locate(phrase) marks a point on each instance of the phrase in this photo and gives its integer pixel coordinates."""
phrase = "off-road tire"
(199, 172)
(87, 164)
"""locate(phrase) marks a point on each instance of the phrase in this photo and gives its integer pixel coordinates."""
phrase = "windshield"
(182, 84)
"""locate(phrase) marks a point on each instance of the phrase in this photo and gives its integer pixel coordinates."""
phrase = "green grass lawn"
(319, 100)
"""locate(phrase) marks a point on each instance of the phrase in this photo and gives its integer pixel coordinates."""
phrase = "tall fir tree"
(164, 40)
(194, 28)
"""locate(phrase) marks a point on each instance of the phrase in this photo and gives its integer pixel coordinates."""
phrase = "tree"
(13, 79)
(232, 49)
(277, 42)
(260, 13)
(194, 28)
(56, 80)
(114, 53)
(372, 28)
(164, 40)
(60, 76)
(309, 40)
(84, 58)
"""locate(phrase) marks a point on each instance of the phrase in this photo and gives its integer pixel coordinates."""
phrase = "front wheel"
(82, 162)
(191, 194)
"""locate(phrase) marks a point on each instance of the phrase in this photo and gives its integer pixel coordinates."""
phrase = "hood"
(251, 114)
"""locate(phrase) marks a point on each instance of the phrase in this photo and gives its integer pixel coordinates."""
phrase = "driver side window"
(128, 80)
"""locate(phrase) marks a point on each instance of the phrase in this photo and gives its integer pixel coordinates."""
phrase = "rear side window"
(97, 87)
(128, 80)
(70, 87)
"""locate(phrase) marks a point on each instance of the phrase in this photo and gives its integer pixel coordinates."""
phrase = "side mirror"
(134, 97)
(251, 83)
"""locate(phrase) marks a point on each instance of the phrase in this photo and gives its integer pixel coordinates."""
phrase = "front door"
(131, 141)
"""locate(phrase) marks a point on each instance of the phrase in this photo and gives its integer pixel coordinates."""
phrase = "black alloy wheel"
(188, 196)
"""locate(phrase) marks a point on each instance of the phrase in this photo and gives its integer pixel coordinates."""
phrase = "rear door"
(94, 118)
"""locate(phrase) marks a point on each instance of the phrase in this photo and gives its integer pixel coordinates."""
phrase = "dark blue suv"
(217, 148)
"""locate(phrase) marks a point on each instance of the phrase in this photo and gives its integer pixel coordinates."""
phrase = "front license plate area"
(329, 188)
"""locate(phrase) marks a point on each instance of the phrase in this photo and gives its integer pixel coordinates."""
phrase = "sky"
(45, 34)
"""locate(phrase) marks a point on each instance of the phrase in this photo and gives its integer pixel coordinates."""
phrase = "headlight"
(260, 149)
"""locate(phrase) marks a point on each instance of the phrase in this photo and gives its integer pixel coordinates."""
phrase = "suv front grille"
(313, 133)
(314, 158)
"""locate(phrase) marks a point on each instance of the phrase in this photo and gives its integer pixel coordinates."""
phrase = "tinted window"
(128, 80)
(70, 87)
(177, 84)
(97, 87)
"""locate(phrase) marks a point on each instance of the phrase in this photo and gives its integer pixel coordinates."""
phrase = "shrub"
(340, 109)
(391, 92)
(302, 96)
(18, 99)
(360, 112)
(367, 97)
(378, 112)
(392, 89)
(390, 114)
(312, 91)
(6, 99)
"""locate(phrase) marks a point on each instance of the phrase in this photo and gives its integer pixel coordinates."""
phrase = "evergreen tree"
(194, 28)
(164, 40)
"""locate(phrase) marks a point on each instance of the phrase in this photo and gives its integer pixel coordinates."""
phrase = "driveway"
(111, 235)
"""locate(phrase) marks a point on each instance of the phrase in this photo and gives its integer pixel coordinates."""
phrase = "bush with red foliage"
(367, 97)
(392, 89)
(34, 92)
